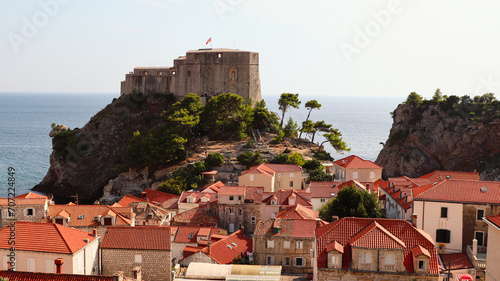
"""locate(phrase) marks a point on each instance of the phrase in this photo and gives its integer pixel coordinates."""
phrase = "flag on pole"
(209, 40)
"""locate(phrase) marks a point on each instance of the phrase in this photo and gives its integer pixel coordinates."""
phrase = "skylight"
(191, 235)
(80, 217)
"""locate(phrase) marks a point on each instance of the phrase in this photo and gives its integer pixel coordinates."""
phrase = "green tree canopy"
(286, 101)
(320, 126)
(334, 137)
(296, 158)
(214, 160)
(312, 104)
(414, 98)
(221, 117)
(249, 159)
(290, 129)
(351, 202)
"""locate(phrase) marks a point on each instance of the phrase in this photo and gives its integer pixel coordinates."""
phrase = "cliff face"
(86, 162)
(428, 138)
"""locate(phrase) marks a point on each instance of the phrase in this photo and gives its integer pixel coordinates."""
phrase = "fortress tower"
(207, 72)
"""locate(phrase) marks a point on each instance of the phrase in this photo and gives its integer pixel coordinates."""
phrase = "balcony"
(478, 259)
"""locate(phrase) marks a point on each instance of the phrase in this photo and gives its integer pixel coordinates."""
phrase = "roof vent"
(234, 244)
(483, 189)
(448, 176)
(229, 246)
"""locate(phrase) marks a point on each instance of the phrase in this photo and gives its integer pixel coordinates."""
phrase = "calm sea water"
(25, 120)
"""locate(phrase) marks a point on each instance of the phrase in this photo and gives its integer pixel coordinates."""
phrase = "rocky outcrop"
(431, 137)
(87, 159)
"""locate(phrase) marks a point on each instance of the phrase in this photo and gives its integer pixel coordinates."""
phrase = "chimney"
(334, 218)
(118, 276)
(414, 220)
(59, 262)
(94, 232)
(143, 195)
(242, 229)
(209, 248)
(474, 247)
(96, 202)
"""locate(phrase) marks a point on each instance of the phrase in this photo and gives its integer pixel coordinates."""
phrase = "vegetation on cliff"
(351, 202)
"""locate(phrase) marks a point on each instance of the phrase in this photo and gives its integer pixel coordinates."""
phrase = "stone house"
(223, 251)
(195, 217)
(456, 264)
(195, 199)
(492, 271)
(239, 206)
(127, 248)
(273, 177)
(38, 246)
(193, 236)
(150, 214)
(273, 203)
(374, 249)
(26, 207)
(322, 192)
(355, 168)
(285, 242)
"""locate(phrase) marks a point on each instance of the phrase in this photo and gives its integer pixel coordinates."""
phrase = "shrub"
(249, 159)
(296, 158)
(279, 137)
(214, 160)
(312, 165)
(279, 159)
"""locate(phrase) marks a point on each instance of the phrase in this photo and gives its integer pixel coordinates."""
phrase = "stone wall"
(197, 257)
(155, 265)
(20, 215)
(240, 215)
(325, 274)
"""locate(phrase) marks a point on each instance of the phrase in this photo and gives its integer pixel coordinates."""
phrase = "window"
(59, 221)
(322, 200)
(278, 184)
(191, 235)
(366, 260)
(443, 235)
(270, 260)
(138, 258)
(279, 175)
(253, 220)
(299, 262)
(421, 265)
(30, 264)
(30, 212)
(231, 198)
(49, 266)
(299, 245)
(286, 244)
(189, 73)
(355, 175)
(233, 75)
(389, 262)
(480, 215)
(239, 212)
(479, 235)
(270, 244)
(444, 212)
(286, 261)
(291, 175)
(239, 198)
(108, 221)
(230, 210)
(336, 260)
(291, 183)
(80, 217)
(273, 202)
(372, 175)
(10, 213)
(251, 178)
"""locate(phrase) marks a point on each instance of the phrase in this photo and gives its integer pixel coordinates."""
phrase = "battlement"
(207, 72)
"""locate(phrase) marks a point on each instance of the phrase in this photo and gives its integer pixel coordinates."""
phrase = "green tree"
(279, 159)
(307, 126)
(438, 96)
(263, 118)
(221, 117)
(319, 175)
(414, 98)
(279, 137)
(296, 158)
(312, 104)
(249, 159)
(312, 165)
(351, 202)
(320, 126)
(334, 137)
(290, 129)
(214, 160)
(184, 178)
(286, 101)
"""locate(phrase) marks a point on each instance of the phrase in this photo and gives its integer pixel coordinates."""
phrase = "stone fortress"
(207, 72)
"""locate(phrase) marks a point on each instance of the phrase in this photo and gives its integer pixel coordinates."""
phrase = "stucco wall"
(261, 252)
(258, 180)
(493, 257)
(283, 179)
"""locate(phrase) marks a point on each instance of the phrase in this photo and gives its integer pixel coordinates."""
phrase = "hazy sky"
(328, 47)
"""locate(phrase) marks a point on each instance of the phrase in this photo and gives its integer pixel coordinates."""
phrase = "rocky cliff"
(429, 137)
(84, 160)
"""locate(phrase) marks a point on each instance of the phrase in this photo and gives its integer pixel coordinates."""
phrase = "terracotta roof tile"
(298, 212)
(32, 195)
(454, 175)
(225, 250)
(287, 228)
(138, 237)
(184, 232)
(462, 191)
(375, 236)
(155, 196)
(419, 250)
(334, 245)
(45, 237)
(127, 199)
(32, 276)
(323, 191)
(357, 185)
(354, 162)
(494, 220)
(194, 217)
(24, 201)
(284, 167)
(282, 196)
(344, 229)
(457, 261)
(214, 187)
(231, 190)
(83, 215)
(197, 196)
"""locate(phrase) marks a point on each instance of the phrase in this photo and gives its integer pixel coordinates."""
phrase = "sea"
(26, 118)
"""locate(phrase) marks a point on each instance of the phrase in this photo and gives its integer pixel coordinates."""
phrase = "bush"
(214, 160)
(323, 155)
(279, 159)
(63, 142)
(319, 175)
(250, 159)
(279, 137)
(296, 158)
(290, 129)
(312, 165)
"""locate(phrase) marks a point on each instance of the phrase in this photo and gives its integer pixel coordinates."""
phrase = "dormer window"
(421, 265)
(273, 202)
(108, 221)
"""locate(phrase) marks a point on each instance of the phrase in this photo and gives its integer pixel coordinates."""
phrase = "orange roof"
(419, 250)
(138, 237)
(231, 190)
(456, 261)
(344, 230)
(354, 162)
(260, 169)
(494, 220)
(158, 196)
(184, 232)
(36, 276)
(375, 236)
(357, 185)
(214, 187)
(197, 195)
(45, 237)
(454, 175)
(318, 191)
(31, 195)
(286, 228)
(24, 201)
(225, 250)
(284, 167)
(195, 217)
(462, 191)
(86, 215)
(127, 199)
(282, 197)
(298, 212)
(335, 246)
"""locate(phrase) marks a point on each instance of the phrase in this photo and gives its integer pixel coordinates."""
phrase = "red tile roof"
(214, 187)
(323, 191)
(45, 237)
(419, 250)
(334, 245)
(127, 199)
(160, 198)
(494, 220)
(270, 169)
(138, 237)
(286, 228)
(454, 175)
(354, 162)
(32, 276)
(345, 229)
(375, 236)
(462, 191)
(197, 196)
(31, 195)
(231, 190)
(183, 232)
(298, 212)
(457, 261)
(195, 217)
(83, 215)
(357, 185)
(24, 201)
(282, 197)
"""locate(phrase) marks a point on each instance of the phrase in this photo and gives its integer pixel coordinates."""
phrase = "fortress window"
(173, 72)
(189, 73)
(144, 73)
(219, 55)
(233, 75)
